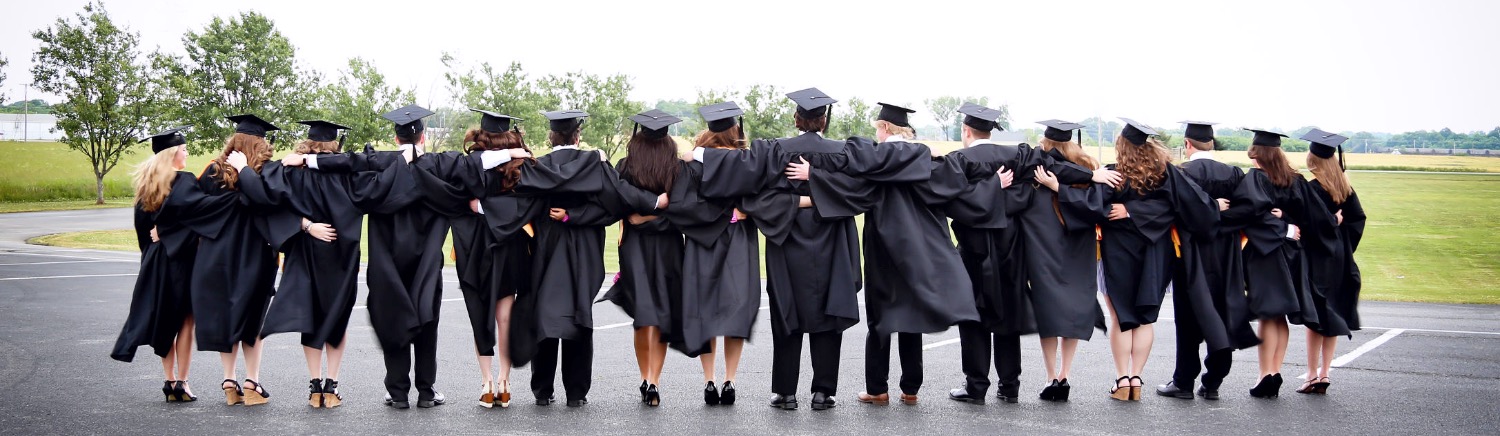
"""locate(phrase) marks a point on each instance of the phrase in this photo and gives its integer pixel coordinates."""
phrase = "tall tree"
(605, 99)
(240, 65)
(944, 109)
(705, 98)
(852, 118)
(508, 91)
(3, 63)
(97, 69)
(768, 113)
(357, 99)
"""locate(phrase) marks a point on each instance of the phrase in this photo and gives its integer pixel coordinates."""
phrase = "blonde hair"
(1332, 178)
(153, 179)
(1072, 151)
(904, 132)
(1143, 166)
(309, 146)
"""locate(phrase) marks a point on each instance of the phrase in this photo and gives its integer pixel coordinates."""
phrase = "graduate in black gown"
(1066, 188)
(1138, 246)
(557, 317)
(1276, 207)
(1331, 269)
(990, 244)
(234, 273)
(317, 225)
(721, 258)
(1208, 297)
(166, 200)
(812, 256)
(649, 284)
(914, 279)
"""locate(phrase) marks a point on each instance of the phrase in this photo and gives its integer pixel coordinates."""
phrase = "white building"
(29, 127)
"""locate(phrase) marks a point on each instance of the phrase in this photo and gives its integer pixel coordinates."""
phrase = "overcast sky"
(1341, 65)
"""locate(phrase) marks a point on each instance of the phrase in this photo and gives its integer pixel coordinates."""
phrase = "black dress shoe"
(822, 401)
(578, 402)
(1172, 390)
(403, 404)
(726, 394)
(784, 402)
(1208, 394)
(963, 395)
(545, 401)
(710, 394)
(1008, 393)
(436, 400)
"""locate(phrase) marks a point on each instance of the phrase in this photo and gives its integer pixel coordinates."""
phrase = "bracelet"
(565, 218)
(307, 226)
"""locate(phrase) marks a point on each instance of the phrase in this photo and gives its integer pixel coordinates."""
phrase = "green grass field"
(1430, 236)
(49, 172)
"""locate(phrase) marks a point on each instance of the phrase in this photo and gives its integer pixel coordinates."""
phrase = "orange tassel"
(529, 230)
(1244, 241)
(1176, 242)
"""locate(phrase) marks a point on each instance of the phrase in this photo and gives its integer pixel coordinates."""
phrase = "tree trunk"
(99, 189)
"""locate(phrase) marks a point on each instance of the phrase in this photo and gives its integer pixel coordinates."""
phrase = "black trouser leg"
(1188, 338)
(974, 351)
(1008, 361)
(824, 352)
(398, 372)
(1218, 367)
(786, 362)
(544, 368)
(877, 363)
(425, 346)
(910, 348)
(578, 366)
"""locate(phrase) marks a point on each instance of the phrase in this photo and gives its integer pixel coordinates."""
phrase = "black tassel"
(740, 124)
(1341, 158)
(341, 141)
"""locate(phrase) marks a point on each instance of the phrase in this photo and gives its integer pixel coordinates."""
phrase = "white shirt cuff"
(494, 158)
(1291, 229)
(698, 154)
(480, 207)
(311, 160)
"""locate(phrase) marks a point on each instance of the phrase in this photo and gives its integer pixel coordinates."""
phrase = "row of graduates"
(529, 240)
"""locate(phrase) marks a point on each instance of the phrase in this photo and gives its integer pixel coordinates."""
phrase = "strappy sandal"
(232, 393)
(1121, 393)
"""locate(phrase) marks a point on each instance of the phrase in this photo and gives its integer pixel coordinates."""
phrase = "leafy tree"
(357, 99)
(3, 63)
(508, 91)
(768, 113)
(852, 118)
(96, 68)
(605, 99)
(944, 109)
(240, 65)
(680, 108)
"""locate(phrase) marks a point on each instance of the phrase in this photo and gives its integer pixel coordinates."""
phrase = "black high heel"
(710, 394)
(644, 385)
(1062, 391)
(181, 389)
(726, 395)
(1268, 387)
(167, 389)
(1049, 392)
(315, 393)
(653, 398)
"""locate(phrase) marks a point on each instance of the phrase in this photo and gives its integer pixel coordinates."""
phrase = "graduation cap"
(721, 116)
(494, 122)
(1135, 132)
(565, 121)
(166, 139)
(811, 103)
(979, 117)
(250, 124)
(408, 119)
(894, 114)
(654, 123)
(322, 131)
(1059, 130)
(1201, 131)
(1266, 138)
(1323, 144)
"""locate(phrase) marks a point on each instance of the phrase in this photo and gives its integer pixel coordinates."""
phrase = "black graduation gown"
(1062, 248)
(812, 255)
(721, 263)
(319, 280)
(1276, 278)
(914, 278)
(234, 273)
(161, 301)
(989, 241)
(1139, 253)
(568, 264)
(1218, 302)
(649, 284)
(1331, 267)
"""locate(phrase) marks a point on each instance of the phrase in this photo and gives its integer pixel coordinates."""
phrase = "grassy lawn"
(41, 206)
(49, 171)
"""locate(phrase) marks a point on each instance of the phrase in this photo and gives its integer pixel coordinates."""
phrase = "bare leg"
(1049, 357)
(1273, 336)
(1314, 355)
(1069, 349)
(1285, 331)
(335, 355)
(658, 360)
(1140, 350)
(1329, 344)
(166, 365)
(228, 360)
(1119, 343)
(732, 349)
(314, 359)
(252, 360)
(502, 337)
(643, 351)
(707, 359)
(183, 348)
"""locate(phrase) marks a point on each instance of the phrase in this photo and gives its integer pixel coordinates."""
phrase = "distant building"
(29, 127)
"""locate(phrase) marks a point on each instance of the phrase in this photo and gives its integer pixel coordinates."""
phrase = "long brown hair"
(309, 146)
(725, 139)
(1143, 166)
(257, 151)
(809, 125)
(1332, 178)
(479, 140)
(1072, 151)
(1273, 162)
(651, 163)
(153, 179)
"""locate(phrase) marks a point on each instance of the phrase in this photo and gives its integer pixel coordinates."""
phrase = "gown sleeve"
(892, 162)
(739, 173)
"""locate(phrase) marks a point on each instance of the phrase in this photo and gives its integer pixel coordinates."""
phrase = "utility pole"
(26, 113)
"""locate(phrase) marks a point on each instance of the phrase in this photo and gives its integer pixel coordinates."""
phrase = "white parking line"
(55, 263)
(102, 259)
(67, 277)
(940, 343)
(1366, 347)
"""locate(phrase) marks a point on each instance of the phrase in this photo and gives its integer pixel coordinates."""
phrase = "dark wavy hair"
(479, 140)
(651, 163)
